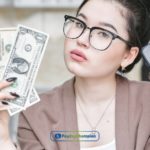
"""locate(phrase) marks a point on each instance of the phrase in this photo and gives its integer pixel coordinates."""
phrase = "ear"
(129, 56)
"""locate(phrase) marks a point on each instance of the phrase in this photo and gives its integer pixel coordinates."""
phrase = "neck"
(94, 90)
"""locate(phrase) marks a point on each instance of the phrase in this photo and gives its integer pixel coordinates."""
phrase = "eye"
(79, 25)
(103, 34)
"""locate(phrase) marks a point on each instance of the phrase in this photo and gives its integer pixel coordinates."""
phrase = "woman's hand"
(4, 106)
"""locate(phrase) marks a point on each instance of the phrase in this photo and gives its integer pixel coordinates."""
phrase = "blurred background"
(47, 16)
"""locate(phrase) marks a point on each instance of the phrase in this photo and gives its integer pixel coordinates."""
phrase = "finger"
(7, 82)
(4, 84)
(6, 96)
(4, 106)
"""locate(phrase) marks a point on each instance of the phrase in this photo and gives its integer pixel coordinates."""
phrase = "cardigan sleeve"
(27, 139)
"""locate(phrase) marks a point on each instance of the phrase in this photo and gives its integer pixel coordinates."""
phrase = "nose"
(83, 40)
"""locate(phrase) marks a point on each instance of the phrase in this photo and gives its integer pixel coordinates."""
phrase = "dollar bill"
(7, 36)
(26, 54)
(33, 99)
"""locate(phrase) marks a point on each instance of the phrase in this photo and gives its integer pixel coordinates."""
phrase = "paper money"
(33, 99)
(7, 36)
(26, 54)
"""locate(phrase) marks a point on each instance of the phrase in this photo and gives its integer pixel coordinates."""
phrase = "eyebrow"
(100, 23)
(108, 25)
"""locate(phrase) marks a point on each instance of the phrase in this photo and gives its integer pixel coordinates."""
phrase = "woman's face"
(94, 63)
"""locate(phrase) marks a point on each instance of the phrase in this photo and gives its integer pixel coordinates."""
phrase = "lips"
(78, 56)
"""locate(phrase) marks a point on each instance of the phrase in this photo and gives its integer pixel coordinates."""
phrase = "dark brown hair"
(138, 19)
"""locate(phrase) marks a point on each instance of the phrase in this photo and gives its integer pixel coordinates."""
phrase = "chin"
(81, 72)
(74, 69)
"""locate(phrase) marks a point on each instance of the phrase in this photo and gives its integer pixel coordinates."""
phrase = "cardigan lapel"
(70, 112)
(122, 116)
(121, 113)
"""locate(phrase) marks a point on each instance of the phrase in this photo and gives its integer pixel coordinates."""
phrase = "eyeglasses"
(99, 38)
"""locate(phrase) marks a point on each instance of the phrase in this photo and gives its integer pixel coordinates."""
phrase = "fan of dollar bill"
(21, 52)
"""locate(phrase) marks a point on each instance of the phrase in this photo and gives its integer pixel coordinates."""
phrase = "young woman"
(105, 37)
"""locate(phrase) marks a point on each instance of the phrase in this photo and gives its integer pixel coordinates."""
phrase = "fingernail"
(14, 94)
(5, 103)
(13, 79)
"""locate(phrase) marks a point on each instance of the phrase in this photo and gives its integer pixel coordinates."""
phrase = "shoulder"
(143, 86)
(138, 91)
(141, 91)
(140, 88)
(139, 84)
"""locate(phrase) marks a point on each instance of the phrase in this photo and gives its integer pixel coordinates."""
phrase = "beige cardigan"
(57, 111)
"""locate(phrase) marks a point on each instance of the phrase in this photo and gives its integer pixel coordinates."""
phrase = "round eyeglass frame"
(114, 36)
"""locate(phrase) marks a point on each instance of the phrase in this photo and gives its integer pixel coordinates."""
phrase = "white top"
(109, 146)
